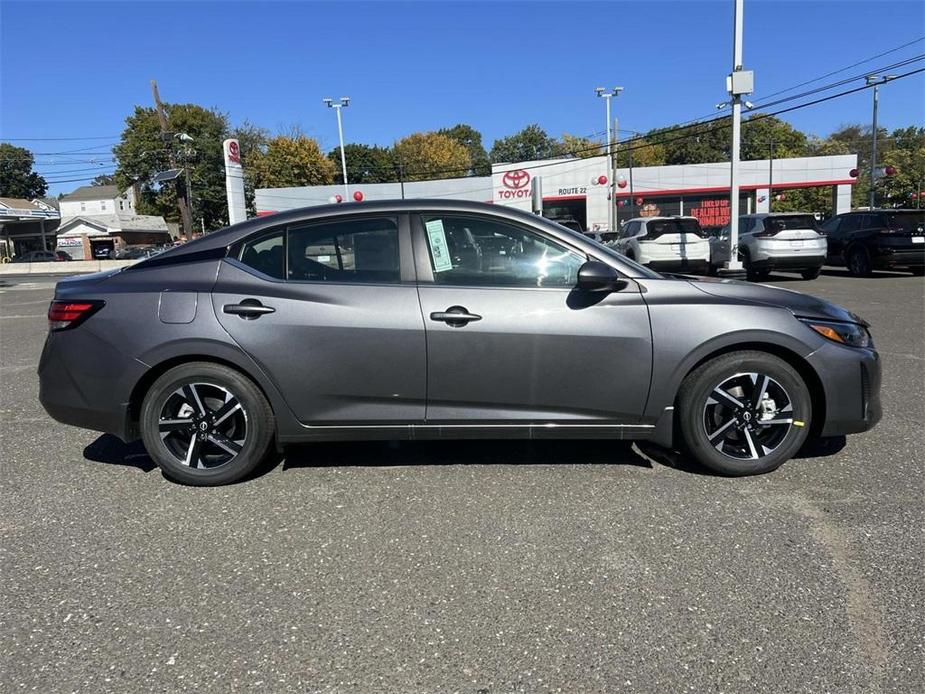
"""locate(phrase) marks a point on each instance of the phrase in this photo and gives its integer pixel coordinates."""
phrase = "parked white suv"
(666, 243)
(774, 241)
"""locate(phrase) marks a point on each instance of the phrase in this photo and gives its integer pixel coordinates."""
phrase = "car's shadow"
(109, 450)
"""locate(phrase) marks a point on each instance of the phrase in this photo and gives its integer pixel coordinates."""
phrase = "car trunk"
(791, 231)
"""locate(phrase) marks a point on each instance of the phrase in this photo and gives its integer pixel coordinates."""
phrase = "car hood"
(802, 305)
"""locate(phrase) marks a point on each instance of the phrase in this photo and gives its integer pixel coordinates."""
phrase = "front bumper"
(850, 380)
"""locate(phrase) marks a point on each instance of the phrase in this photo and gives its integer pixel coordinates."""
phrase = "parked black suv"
(868, 240)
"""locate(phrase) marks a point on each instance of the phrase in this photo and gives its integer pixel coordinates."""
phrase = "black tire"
(917, 271)
(858, 262)
(696, 412)
(203, 413)
(810, 273)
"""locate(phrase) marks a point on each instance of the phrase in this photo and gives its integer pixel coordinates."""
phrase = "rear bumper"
(789, 262)
(851, 383)
(890, 257)
(695, 267)
(82, 382)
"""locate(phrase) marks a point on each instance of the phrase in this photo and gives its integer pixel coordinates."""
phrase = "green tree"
(143, 151)
(906, 153)
(17, 179)
(423, 156)
(763, 136)
(530, 143)
(294, 160)
(471, 139)
(695, 144)
(365, 164)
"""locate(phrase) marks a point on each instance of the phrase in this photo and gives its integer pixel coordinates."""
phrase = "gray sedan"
(426, 319)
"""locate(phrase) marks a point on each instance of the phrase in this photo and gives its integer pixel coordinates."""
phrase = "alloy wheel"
(203, 425)
(748, 416)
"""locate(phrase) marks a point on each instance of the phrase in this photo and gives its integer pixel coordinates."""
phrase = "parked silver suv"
(787, 241)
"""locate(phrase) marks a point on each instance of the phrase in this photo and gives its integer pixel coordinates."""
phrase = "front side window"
(476, 251)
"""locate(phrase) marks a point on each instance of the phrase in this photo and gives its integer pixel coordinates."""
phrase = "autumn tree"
(424, 156)
(582, 147)
(291, 161)
(17, 179)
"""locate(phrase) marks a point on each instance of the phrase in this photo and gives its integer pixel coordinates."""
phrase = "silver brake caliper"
(767, 408)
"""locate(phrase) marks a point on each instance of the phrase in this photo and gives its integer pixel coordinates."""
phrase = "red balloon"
(602, 180)
(889, 171)
(621, 184)
(638, 201)
(853, 173)
(358, 196)
(339, 198)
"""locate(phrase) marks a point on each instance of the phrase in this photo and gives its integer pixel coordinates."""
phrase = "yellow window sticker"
(439, 250)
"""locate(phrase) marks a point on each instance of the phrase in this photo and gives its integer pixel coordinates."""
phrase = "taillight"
(69, 314)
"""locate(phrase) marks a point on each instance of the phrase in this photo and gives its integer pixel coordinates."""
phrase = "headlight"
(850, 334)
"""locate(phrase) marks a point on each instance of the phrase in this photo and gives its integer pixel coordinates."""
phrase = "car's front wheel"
(744, 413)
(206, 424)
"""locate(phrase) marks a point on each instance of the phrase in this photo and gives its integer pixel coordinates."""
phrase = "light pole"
(607, 96)
(876, 81)
(344, 102)
(739, 83)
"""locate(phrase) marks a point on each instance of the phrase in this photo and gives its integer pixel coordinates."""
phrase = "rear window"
(796, 221)
(910, 222)
(673, 226)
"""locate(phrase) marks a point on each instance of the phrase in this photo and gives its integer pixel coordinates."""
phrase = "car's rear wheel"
(206, 424)
(918, 271)
(810, 273)
(858, 262)
(744, 413)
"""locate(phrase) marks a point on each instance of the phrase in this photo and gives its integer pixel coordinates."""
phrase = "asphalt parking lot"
(474, 567)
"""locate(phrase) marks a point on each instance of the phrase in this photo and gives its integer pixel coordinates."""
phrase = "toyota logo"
(234, 152)
(516, 179)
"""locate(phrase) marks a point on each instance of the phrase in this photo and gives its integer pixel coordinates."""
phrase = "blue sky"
(425, 65)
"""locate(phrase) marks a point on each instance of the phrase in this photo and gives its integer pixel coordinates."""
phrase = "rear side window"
(831, 225)
(265, 255)
(910, 222)
(795, 221)
(362, 250)
(657, 227)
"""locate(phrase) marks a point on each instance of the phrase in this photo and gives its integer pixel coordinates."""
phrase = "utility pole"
(876, 81)
(739, 83)
(611, 207)
(182, 202)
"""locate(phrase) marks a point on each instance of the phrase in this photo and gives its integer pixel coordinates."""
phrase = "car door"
(509, 339)
(330, 311)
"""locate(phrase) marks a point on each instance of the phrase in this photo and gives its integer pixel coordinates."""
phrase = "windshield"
(794, 221)
(911, 222)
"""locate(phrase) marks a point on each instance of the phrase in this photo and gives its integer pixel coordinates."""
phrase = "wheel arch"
(156, 370)
(802, 366)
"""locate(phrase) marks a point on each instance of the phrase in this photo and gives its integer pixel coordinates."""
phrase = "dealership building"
(580, 189)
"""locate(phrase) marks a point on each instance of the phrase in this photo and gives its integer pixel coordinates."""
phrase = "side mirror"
(595, 276)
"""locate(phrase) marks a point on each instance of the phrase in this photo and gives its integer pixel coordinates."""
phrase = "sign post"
(234, 181)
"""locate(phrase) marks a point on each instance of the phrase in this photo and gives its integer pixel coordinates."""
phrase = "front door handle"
(455, 316)
(248, 309)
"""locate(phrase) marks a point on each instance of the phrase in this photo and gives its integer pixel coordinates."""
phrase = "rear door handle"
(248, 309)
(455, 316)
